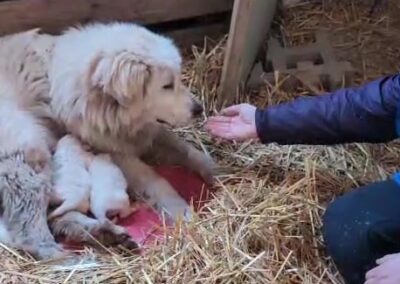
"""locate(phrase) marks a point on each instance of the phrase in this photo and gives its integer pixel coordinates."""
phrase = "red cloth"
(145, 226)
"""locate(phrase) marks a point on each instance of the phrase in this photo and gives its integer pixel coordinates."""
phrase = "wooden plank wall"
(55, 15)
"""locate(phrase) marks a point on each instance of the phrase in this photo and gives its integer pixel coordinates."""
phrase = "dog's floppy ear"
(122, 76)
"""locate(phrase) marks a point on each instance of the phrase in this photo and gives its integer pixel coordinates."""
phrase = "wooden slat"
(250, 23)
(55, 15)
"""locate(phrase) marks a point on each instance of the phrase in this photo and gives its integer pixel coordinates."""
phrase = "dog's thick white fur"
(23, 87)
(118, 88)
(24, 195)
(108, 196)
(27, 126)
(71, 178)
(25, 143)
(21, 130)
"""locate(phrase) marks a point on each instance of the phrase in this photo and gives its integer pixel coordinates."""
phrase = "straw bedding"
(264, 225)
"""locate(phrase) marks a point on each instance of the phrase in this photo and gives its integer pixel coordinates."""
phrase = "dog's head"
(139, 83)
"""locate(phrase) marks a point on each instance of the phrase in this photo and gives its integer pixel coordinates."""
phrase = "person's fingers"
(373, 273)
(221, 126)
(373, 278)
(219, 119)
(221, 131)
(386, 258)
(223, 135)
(231, 111)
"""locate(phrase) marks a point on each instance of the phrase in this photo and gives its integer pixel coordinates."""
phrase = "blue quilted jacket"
(369, 113)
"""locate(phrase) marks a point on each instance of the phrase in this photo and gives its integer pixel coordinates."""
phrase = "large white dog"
(118, 88)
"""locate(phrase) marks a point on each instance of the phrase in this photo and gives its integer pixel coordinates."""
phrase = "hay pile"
(264, 225)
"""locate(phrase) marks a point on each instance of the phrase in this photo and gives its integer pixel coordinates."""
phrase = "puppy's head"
(138, 85)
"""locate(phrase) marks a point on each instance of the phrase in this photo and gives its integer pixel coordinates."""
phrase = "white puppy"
(71, 177)
(109, 197)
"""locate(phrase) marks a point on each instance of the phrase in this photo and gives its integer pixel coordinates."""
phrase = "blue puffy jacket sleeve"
(361, 114)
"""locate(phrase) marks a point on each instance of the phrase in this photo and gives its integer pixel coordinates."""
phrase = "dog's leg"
(78, 227)
(168, 148)
(145, 182)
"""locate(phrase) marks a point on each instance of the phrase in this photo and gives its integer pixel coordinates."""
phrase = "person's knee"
(336, 214)
(334, 228)
(358, 211)
(345, 238)
(362, 226)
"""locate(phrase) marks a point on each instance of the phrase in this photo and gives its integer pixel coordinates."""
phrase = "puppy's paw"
(38, 159)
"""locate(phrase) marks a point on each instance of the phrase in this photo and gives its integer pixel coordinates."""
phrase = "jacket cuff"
(261, 118)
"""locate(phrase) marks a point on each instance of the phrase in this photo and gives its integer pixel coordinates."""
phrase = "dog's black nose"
(197, 109)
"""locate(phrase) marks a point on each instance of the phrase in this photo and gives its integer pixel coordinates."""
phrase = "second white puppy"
(108, 198)
(72, 182)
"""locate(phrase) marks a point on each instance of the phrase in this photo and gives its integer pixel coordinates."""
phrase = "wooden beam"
(55, 15)
(251, 20)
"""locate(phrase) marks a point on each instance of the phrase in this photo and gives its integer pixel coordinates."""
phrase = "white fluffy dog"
(27, 125)
(118, 88)
(108, 197)
(72, 182)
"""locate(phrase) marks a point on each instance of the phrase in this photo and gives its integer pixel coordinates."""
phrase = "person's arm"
(363, 114)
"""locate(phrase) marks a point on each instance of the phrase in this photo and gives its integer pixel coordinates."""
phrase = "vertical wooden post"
(251, 20)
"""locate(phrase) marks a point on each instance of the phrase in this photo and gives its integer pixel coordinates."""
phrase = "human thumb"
(231, 111)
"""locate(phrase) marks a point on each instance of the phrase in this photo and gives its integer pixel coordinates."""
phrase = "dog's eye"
(169, 86)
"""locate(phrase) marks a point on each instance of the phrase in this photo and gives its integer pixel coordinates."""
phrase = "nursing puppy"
(71, 178)
(108, 197)
(122, 97)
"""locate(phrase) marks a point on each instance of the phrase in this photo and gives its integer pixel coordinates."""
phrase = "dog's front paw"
(204, 166)
(37, 158)
(207, 172)
(176, 208)
(110, 234)
(164, 198)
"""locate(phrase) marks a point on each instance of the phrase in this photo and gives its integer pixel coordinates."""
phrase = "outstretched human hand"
(236, 122)
(387, 271)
